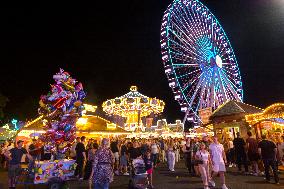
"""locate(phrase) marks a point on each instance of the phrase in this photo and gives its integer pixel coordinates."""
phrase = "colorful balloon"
(61, 107)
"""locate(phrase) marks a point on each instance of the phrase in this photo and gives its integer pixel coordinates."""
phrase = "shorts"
(219, 167)
(123, 160)
(14, 170)
(253, 156)
(116, 156)
(150, 171)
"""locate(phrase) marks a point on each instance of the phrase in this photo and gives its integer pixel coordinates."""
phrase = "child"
(149, 166)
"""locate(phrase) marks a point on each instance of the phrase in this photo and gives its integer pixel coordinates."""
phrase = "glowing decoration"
(61, 108)
(199, 61)
(82, 121)
(274, 112)
(111, 126)
(6, 126)
(90, 108)
(14, 122)
(133, 106)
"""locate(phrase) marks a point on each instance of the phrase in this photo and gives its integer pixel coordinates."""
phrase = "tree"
(3, 103)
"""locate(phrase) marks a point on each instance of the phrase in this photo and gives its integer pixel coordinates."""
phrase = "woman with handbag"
(202, 158)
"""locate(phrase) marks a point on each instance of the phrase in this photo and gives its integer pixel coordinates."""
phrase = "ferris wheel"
(198, 58)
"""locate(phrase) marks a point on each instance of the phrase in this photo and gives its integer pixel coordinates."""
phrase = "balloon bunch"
(61, 108)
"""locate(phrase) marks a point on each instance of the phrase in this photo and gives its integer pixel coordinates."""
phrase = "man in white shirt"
(155, 152)
(218, 159)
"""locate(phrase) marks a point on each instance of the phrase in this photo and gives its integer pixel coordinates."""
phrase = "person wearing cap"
(14, 156)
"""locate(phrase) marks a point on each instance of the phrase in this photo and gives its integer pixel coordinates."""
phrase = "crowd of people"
(99, 160)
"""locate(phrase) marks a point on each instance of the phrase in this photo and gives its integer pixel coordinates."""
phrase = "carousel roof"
(133, 93)
(133, 102)
(233, 107)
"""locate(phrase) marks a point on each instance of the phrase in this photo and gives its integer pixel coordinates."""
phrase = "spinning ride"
(133, 106)
(199, 61)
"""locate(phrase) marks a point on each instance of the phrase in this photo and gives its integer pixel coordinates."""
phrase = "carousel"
(133, 106)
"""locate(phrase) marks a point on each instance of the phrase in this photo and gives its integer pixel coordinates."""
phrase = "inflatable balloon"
(61, 107)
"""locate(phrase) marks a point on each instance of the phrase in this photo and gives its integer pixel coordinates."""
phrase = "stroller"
(138, 175)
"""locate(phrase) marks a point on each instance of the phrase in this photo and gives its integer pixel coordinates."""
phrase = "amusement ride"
(133, 106)
(198, 58)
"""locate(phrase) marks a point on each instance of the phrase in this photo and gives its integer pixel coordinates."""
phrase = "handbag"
(198, 161)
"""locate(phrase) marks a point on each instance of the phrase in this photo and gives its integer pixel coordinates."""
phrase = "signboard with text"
(204, 114)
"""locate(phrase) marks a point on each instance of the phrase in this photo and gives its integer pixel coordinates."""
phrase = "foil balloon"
(67, 128)
(61, 107)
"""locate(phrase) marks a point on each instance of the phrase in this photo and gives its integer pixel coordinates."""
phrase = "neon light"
(194, 44)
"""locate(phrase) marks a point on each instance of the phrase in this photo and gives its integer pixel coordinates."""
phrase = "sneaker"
(125, 174)
(224, 186)
(212, 183)
(230, 165)
(81, 178)
(116, 172)
(261, 174)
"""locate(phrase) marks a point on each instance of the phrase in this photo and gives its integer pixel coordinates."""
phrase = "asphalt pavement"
(164, 179)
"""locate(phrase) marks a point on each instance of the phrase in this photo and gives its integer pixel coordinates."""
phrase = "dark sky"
(110, 46)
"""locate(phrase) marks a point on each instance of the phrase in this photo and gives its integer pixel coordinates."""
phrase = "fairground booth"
(269, 122)
(229, 118)
(91, 126)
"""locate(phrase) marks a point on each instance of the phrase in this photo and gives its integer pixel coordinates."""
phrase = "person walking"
(123, 158)
(252, 151)
(115, 150)
(204, 157)
(280, 150)
(171, 157)
(267, 149)
(162, 147)
(195, 147)
(14, 156)
(218, 160)
(89, 165)
(239, 145)
(155, 152)
(230, 153)
(103, 166)
(80, 158)
(34, 151)
(177, 150)
(187, 155)
(149, 167)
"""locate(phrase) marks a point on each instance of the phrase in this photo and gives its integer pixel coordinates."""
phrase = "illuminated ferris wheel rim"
(212, 66)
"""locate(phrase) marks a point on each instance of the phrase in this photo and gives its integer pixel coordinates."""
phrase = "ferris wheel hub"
(218, 60)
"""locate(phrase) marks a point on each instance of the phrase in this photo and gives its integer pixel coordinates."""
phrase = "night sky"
(113, 45)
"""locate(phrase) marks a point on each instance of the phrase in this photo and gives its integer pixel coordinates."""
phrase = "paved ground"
(163, 179)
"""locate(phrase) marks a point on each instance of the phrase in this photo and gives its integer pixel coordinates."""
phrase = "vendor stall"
(229, 118)
(269, 122)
